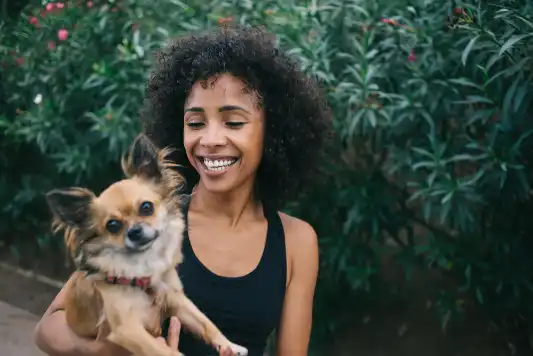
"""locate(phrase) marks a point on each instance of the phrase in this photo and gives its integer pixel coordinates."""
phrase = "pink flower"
(33, 20)
(20, 61)
(389, 21)
(62, 34)
(412, 57)
(89, 4)
(51, 45)
(50, 6)
(60, 5)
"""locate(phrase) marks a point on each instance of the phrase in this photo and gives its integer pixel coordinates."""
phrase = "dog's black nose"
(135, 233)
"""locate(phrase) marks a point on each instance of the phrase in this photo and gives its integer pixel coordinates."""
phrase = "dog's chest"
(147, 308)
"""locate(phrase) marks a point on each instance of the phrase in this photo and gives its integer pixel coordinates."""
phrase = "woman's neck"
(231, 206)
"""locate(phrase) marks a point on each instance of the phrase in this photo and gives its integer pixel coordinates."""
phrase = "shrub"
(432, 104)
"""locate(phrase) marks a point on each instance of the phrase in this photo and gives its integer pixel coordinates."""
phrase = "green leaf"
(465, 82)
(445, 208)
(479, 296)
(508, 99)
(371, 114)
(520, 95)
(473, 99)
(468, 274)
(468, 48)
(511, 41)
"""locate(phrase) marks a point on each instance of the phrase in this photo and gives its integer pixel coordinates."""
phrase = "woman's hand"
(173, 337)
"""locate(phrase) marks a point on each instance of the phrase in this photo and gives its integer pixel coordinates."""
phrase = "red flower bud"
(459, 11)
(223, 20)
(389, 21)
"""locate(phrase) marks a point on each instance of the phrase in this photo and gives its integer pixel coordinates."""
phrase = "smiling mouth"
(217, 165)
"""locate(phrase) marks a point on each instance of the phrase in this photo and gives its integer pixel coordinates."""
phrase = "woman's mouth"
(219, 165)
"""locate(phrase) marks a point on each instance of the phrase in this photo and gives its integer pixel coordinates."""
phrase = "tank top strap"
(275, 250)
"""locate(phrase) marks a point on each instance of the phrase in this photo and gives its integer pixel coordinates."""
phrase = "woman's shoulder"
(301, 243)
(297, 229)
(300, 236)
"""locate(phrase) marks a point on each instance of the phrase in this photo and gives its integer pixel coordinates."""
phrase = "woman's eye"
(195, 125)
(234, 124)
(113, 226)
(146, 209)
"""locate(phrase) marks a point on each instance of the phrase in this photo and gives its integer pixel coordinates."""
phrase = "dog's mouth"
(139, 242)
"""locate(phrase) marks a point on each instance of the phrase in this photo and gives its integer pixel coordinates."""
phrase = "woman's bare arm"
(296, 320)
(54, 337)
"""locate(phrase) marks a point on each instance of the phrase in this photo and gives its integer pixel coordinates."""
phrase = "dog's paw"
(236, 350)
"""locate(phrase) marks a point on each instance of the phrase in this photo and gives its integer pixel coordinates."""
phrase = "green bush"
(432, 102)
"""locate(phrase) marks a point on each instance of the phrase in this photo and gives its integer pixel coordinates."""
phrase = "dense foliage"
(433, 104)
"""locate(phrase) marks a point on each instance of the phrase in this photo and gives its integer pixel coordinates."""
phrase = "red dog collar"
(142, 282)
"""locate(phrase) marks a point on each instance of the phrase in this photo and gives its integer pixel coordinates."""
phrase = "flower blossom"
(62, 34)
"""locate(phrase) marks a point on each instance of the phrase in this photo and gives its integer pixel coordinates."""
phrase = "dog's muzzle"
(139, 237)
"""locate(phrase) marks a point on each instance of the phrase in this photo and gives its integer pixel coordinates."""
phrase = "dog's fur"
(132, 315)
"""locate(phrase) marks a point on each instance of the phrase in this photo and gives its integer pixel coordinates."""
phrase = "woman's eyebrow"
(221, 109)
(232, 108)
(194, 109)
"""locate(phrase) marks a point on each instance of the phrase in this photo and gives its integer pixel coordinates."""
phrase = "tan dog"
(126, 244)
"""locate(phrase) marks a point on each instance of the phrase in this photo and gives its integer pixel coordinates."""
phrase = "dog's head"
(131, 222)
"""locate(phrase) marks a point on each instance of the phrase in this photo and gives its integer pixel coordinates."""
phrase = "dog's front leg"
(134, 338)
(127, 326)
(193, 319)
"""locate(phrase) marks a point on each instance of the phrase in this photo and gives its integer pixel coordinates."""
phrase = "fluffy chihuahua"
(126, 244)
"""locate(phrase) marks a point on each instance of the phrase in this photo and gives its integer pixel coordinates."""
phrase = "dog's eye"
(146, 209)
(113, 226)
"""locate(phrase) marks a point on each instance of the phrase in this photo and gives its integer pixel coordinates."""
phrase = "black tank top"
(246, 309)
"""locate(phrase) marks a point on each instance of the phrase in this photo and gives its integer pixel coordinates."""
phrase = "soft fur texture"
(132, 230)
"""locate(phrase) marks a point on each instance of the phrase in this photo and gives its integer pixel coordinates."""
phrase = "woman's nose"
(213, 136)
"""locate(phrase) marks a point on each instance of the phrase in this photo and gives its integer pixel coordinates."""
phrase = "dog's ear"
(71, 206)
(143, 159)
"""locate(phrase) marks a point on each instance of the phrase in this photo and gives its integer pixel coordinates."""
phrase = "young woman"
(248, 125)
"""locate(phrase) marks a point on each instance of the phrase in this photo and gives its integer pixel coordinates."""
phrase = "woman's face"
(223, 133)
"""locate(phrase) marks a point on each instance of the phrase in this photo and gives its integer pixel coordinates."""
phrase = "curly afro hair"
(297, 117)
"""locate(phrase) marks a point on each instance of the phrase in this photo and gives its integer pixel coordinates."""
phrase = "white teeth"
(218, 165)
